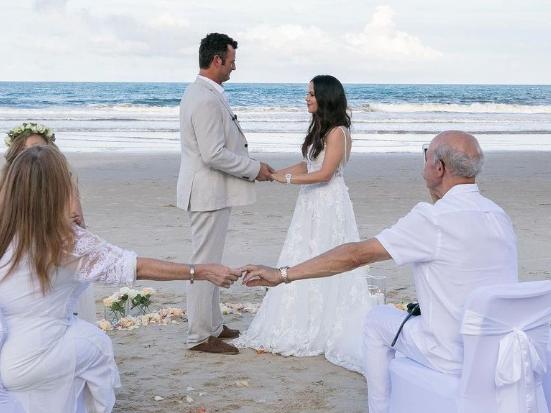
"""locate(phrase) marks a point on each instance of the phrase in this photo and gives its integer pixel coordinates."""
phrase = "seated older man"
(460, 242)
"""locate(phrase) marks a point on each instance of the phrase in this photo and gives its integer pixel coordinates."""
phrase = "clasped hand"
(260, 276)
(253, 275)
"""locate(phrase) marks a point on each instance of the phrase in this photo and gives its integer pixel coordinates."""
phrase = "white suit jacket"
(215, 171)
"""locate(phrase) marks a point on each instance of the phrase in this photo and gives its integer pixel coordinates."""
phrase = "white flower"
(31, 129)
(124, 291)
(148, 291)
(108, 301)
(132, 293)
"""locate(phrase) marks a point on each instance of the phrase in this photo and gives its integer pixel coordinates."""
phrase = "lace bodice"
(314, 165)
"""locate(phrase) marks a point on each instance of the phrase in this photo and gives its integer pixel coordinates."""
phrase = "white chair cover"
(519, 368)
(8, 403)
(418, 389)
(505, 334)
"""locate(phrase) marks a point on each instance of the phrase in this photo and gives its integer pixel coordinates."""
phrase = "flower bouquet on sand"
(164, 316)
(126, 301)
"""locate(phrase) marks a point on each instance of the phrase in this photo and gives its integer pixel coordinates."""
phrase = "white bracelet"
(288, 178)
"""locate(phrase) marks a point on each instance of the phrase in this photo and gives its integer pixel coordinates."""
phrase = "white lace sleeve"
(102, 262)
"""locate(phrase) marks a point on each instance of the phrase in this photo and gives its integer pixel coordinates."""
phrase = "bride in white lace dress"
(319, 316)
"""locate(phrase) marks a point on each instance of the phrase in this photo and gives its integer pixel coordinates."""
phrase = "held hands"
(259, 275)
(253, 275)
(265, 172)
(217, 274)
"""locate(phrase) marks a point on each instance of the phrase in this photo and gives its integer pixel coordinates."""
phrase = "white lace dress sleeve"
(102, 262)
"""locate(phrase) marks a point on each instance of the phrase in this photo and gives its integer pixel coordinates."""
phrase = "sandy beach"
(129, 199)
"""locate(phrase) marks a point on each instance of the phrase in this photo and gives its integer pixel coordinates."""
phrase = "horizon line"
(279, 83)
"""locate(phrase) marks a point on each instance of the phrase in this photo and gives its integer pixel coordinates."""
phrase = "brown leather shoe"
(215, 345)
(228, 333)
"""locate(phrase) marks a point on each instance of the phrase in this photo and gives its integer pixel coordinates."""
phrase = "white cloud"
(379, 43)
(287, 41)
(279, 41)
(381, 39)
(50, 4)
(161, 35)
(166, 21)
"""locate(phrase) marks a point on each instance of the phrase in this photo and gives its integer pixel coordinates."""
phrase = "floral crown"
(29, 128)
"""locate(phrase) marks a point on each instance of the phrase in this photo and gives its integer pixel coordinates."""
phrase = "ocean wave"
(356, 132)
(452, 107)
(372, 107)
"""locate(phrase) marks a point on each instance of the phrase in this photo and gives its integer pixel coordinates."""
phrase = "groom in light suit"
(216, 174)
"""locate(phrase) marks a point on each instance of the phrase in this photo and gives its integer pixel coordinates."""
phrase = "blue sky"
(362, 41)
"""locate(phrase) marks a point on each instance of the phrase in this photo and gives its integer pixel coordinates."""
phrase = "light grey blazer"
(215, 170)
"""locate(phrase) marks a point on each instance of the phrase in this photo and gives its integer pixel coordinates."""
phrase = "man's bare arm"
(343, 258)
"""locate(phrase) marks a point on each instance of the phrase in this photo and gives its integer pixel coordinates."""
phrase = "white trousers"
(91, 389)
(381, 325)
(208, 237)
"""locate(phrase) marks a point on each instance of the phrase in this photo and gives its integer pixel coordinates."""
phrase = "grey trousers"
(208, 236)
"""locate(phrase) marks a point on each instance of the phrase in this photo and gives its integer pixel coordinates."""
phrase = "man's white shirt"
(462, 242)
(218, 87)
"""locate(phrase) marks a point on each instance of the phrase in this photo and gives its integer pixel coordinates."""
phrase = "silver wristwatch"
(191, 273)
(283, 273)
(288, 178)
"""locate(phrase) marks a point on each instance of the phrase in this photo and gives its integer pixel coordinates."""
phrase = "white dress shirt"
(462, 242)
(217, 86)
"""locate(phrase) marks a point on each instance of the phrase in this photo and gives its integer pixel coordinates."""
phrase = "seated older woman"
(25, 136)
(52, 361)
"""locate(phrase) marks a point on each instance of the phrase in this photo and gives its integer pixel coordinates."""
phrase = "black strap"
(412, 312)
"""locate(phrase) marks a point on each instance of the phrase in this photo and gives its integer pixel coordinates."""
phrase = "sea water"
(143, 117)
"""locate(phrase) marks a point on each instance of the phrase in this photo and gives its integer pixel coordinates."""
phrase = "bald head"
(459, 151)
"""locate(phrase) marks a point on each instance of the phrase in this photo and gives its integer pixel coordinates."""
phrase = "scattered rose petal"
(158, 398)
(242, 383)
(164, 316)
(239, 308)
(189, 388)
(105, 325)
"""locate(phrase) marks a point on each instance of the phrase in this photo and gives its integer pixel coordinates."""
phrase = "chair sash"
(519, 368)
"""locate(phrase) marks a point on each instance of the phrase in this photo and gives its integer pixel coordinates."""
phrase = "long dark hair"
(332, 112)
